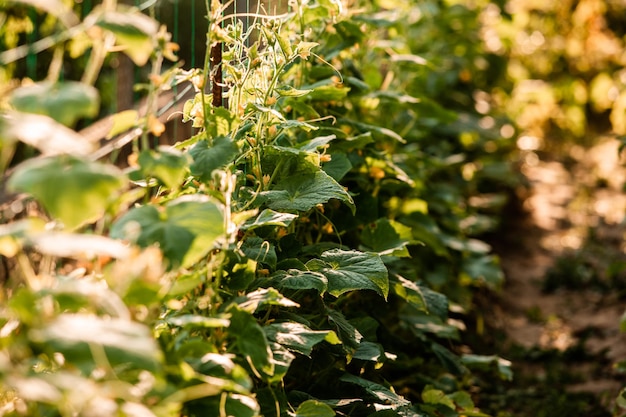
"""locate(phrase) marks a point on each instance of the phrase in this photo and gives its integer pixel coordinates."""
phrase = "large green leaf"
(65, 102)
(348, 334)
(269, 218)
(352, 270)
(264, 297)
(72, 190)
(410, 292)
(297, 337)
(296, 279)
(482, 362)
(383, 394)
(314, 408)
(306, 190)
(251, 341)
(484, 268)
(134, 32)
(186, 229)
(81, 337)
(260, 251)
(167, 165)
(209, 157)
(387, 237)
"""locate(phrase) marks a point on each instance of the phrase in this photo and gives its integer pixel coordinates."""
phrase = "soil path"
(574, 231)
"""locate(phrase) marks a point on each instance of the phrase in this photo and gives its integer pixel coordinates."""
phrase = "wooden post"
(216, 71)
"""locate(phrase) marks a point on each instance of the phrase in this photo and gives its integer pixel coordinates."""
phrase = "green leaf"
(65, 102)
(260, 251)
(74, 191)
(296, 279)
(328, 91)
(435, 396)
(209, 157)
(338, 166)
(264, 297)
(382, 394)
(451, 361)
(230, 404)
(289, 91)
(314, 408)
(436, 303)
(377, 130)
(296, 336)
(122, 122)
(196, 321)
(282, 359)
(369, 351)
(43, 133)
(251, 341)
(348, 334)
(387, 237)
(134, 32)
(485, 268)
(270, 217)
(185, 230)
(315, 143)
(411, 292)
(352, 270)
(483, 362)
(167, 165)
(621, 399)
(304, 191)
(78, 336)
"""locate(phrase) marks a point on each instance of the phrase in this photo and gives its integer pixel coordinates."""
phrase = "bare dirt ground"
(573, 232)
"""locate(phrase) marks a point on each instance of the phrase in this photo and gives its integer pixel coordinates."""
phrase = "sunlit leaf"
(167, 164)
(197, 321)
(265, 297)
(296, 279)
(42, 133)
(65, 102)
(482, 362)
(251, 341)
(435, 396)
(122, 341)
(270, 217)
(369, 351)
(134, 32)
(314, 408)
(75, 245)
(387, 237)
(72, 190)
(411, 292)
(381, 393)
(260, 251)
(304, 191)
(122, 122)
(231, 404)
(348, 334)
(295, 336)
(289, 91)
(352, 270)
(186, 229)
(484, 268)
(209, 157)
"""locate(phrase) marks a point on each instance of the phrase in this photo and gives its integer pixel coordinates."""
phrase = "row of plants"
(311, 250)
